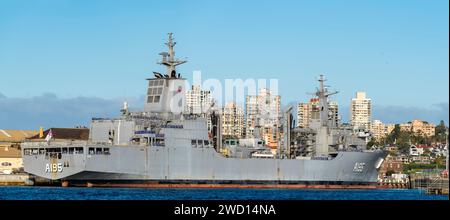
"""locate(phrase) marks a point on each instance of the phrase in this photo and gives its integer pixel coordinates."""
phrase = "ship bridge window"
(56, 150)
(194, 143)
(26, 151)
(135, 140)
(98, 150)
(42, 151)
(199, 143)
(78, 150)
(71, 150)
(54, 155)
(91, 150)
(65, 150)
(146, 140)
(230, 142)
(159, 142)
(206, 143)
(106, 151)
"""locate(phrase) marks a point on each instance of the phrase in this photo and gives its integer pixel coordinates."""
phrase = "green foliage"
(440, 160)
(403, 148)
(389, 172)
(392, 153)
(401, 138)
(420, 139)
(440, 130)
(372, 142)
(416, 166)
(393, 136)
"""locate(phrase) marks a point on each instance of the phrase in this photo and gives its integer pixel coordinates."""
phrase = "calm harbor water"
(59, 193)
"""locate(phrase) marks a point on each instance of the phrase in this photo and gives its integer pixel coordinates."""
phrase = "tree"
(420, 138)
(393, 136)
(400, 138)
(440, 132)
(372, 142)
(403, 148)
(389, 172)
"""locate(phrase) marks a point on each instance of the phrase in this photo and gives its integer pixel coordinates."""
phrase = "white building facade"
(361, 111)
(233, 122)
(199, 102)
(263, 114)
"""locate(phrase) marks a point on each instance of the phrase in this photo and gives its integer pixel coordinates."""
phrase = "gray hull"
(203, 165)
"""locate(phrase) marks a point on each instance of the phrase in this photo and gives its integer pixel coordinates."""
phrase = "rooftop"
(16, 135)
(66, 134)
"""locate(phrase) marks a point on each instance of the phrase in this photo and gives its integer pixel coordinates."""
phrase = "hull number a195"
(53, 168)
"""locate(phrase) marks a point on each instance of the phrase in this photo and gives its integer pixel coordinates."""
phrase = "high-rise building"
(263, 116)
(251, 112)
(233, 123)
(303, 115)
(310, 110)
(199, 102)
(361, 111)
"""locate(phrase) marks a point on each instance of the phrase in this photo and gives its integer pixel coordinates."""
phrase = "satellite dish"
(158, 75)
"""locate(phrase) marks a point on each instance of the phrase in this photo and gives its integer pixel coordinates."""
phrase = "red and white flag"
(49, 136)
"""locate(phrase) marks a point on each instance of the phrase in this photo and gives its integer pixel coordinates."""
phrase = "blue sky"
(396, 51)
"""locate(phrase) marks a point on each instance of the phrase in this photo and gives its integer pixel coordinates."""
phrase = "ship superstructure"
(323, 137)
(161, 146)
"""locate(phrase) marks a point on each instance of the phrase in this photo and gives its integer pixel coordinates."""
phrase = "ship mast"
(168, 60)
(323, 94)
(165, 93)
(320, 122)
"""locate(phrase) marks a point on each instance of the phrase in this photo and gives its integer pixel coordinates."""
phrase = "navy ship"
(163, 147)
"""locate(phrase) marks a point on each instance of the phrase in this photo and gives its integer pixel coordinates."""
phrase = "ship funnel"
(41, 132)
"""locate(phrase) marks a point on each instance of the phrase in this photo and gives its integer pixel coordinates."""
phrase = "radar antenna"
(168, 59)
